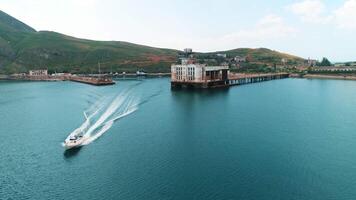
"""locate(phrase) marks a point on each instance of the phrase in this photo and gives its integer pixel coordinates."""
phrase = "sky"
(307, 28)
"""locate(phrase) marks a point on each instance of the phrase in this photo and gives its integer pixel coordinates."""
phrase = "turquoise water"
(283, 139)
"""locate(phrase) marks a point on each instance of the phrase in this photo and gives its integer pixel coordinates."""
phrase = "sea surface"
(289, 139)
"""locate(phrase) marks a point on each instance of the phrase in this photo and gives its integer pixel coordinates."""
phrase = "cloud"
(315, 11)
(310, 11)
(266, 31)
(269, 27)
(269, 31)
(345, 16)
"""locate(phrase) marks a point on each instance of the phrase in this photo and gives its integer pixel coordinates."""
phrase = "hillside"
(263, 55)
(23, 48)
(259, 55)
(64, 53)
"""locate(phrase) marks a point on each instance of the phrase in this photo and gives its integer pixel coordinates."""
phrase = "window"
(179, 73)
(191, 73)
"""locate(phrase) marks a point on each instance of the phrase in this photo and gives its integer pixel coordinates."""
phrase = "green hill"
(264, 55)
(63, 53)
(23, 48)
(259, 55)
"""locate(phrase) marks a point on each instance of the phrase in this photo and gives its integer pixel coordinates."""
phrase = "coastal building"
(239, 59)
(40, 72)
(192, 73)
(195, 75)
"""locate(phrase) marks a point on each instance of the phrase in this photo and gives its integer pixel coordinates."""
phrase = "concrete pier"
(233, 79)
(92, 80)
(98, 81)
(241, 79)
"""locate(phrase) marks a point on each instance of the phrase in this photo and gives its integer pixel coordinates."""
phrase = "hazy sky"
(308, 28)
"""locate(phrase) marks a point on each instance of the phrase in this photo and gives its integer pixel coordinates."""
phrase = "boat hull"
(68, 144)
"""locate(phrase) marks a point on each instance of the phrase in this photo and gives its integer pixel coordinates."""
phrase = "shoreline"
(335, 77)
(156, 75)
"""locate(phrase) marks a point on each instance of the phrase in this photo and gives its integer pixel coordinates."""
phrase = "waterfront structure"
(40, 72)
(92, 80)
(241, 79)
(42, 75)
(195, 75)
(191, 74)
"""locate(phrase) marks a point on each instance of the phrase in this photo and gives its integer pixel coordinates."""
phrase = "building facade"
(191, 74)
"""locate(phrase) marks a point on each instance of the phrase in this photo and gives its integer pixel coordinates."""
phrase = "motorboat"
(74, 141)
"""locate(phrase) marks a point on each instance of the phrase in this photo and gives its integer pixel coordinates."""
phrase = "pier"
(232, 79)
(190, 74)
(98, 81)
(241, 79)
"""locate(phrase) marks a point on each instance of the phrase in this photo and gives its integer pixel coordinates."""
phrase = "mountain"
(11, 32)
(263, 55)
(23, 48)
(9, 23)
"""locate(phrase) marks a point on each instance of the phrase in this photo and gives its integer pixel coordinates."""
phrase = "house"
(40, 72)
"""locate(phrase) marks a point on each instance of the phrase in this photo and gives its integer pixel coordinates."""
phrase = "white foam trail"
(96, 107)
(109, 111)
(107, 125)
(90, 139)
(122, 105)
(85, 125)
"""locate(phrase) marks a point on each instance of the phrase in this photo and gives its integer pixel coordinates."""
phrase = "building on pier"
(194, 75)
(191, 74)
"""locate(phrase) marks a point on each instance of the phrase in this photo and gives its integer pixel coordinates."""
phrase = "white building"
(41, 72)
(200, 75)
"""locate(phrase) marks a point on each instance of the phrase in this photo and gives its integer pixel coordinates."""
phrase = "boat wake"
(100, 117)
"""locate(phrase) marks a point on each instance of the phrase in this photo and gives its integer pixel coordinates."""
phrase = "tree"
(325, 62)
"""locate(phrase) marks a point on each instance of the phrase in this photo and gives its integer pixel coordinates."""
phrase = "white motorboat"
(73, 141)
